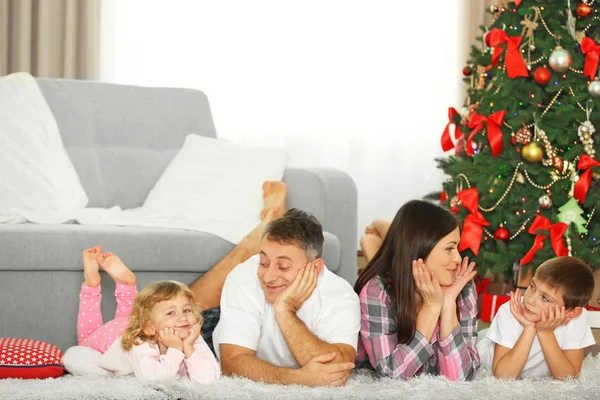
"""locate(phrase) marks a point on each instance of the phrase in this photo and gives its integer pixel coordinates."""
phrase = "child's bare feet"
(378, 227)
(91, 276)
(369, 245)
(116, 269)
(274, 195)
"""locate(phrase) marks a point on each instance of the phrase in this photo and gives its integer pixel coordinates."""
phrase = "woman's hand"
(428, 286)
(464, 274)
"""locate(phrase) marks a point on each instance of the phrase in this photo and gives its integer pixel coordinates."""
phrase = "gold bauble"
(532, 152)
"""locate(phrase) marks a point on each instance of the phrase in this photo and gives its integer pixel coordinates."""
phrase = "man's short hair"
(573, 277)
(298, 228)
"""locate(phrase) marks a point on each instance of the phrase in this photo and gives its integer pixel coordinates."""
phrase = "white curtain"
(359, 85)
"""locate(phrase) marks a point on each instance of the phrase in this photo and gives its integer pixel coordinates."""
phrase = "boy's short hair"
(571, 276)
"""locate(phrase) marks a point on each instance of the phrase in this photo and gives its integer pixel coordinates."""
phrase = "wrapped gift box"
(490, 303)
(593, 314)
(491, 295)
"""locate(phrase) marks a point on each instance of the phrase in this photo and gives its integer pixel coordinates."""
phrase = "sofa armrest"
(330, 195)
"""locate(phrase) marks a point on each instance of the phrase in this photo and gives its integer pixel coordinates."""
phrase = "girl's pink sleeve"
(148, 363)
(202, 367)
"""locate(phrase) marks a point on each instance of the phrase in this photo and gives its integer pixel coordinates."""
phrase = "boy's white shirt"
(506, 330)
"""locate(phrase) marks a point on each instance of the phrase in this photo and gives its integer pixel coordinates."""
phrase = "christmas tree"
(522, 178)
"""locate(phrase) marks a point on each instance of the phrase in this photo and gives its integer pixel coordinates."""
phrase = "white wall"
(362, 86)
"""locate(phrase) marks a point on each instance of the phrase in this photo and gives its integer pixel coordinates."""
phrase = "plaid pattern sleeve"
(457, 354)
(379, 338)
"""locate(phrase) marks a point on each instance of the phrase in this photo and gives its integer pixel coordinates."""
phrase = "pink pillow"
(29, 359)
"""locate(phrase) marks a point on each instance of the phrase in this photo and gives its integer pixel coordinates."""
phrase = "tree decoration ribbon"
(592, 52)
(494, 133)
(583, 184)
(474, 222)
(446, 140)
(556, 237)
(515, 65)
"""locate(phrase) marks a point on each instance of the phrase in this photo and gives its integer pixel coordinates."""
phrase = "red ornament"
(467, 71)
(443, 196)
(502, 234)
(513, 140)
(486, 39)
(584, 10)
(454, 210)
(542, 76)
(558, 163)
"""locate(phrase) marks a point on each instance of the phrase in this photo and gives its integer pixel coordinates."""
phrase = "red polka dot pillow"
(29, 359)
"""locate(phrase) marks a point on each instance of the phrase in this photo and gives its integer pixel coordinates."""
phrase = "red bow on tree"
(494, 133)
(446, 140)
(515, 65)
(474, 223)
(583, 184)
(592, 52)
(556, 237)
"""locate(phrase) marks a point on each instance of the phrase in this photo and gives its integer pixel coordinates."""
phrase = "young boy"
(545, 332)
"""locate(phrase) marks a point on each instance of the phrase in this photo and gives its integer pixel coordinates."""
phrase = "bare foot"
(116, 269)
(378, 227)
(251, 242)
(369, 245)
(91, 276)
(274, 195)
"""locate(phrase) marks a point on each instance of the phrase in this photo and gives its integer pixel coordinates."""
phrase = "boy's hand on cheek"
(552, 319)
(517, 309)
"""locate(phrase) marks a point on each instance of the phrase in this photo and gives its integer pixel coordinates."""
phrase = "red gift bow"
(494, 133)
(592, 52)
(446, 141)
(583, 184)
(474, 223)
(556, 237)
(515, 65)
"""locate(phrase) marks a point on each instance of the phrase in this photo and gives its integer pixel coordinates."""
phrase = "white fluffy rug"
(361, 385)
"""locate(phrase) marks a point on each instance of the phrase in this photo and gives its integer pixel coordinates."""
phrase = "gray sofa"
(120, 139)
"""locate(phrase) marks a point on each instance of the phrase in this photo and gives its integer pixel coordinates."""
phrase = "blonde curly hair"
(142, 307)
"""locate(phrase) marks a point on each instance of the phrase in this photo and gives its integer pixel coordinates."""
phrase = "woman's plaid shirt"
(455, 357)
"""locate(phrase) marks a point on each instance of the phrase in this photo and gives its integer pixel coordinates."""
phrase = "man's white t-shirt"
(331, 313)
(506, 330)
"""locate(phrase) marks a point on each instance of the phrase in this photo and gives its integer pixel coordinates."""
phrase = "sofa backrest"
(121, 138)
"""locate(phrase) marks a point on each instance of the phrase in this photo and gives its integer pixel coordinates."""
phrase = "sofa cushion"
(142, 249)
(29, 359)
(35, 170)
(216, 185)
(120, 150)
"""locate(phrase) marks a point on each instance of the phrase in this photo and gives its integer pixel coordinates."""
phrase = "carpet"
(361, 385)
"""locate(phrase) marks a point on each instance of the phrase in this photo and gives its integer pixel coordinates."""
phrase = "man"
(285, 318)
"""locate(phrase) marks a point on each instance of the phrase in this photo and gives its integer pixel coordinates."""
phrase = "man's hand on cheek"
(294, 296)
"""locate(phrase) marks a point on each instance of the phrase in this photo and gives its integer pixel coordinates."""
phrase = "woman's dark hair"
(417, 227)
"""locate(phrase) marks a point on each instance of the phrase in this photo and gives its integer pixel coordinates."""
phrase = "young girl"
(418, 301)
(155, 334)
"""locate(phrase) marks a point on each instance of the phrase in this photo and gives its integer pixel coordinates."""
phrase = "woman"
(418, 300)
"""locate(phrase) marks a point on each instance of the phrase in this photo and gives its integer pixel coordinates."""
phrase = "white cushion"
(36, 173)
(218, 184)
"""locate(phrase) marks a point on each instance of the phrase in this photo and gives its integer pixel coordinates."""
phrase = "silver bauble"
(560, 60)
(545, 201)
(594, 88)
